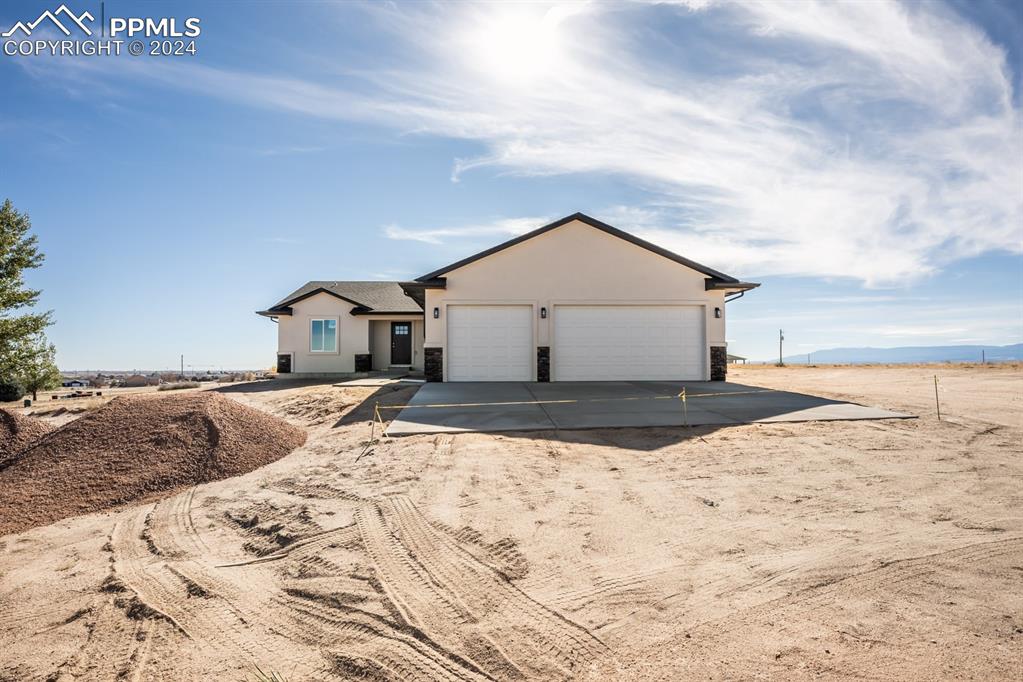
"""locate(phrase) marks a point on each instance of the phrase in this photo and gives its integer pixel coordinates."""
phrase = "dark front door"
(401, 343)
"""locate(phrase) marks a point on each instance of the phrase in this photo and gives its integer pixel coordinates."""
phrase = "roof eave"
(389, 313)
(724, 285)
(592, 222)
(274, 312)
(314, 292)
(416, 290)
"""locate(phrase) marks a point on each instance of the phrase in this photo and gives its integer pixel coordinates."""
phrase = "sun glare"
(518, 44)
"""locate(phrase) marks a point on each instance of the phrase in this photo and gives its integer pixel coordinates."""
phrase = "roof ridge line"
(594, 223)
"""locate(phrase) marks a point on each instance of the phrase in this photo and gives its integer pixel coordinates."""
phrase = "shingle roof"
(376, 297)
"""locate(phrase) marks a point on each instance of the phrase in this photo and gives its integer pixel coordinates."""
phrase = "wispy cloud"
(508, 227)
(877, 141)
(865, 300)
(867, 140)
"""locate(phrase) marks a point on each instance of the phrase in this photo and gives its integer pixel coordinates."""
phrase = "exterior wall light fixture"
(543, 313)
(717, 312)
(436, 313)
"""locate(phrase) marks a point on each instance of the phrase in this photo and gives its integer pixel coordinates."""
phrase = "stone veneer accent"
(543, 363)
(433, 364)
(718, 363)
(363, 362)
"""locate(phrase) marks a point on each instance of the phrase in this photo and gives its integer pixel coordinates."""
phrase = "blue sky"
(864, 161)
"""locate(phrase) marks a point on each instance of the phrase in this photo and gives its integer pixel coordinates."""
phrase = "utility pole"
(781, 337)
(182, 366)
(983, 360)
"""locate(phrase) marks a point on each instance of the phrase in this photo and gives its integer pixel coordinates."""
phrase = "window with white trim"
(323, 335)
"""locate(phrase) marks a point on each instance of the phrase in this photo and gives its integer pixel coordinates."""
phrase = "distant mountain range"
(909, 354)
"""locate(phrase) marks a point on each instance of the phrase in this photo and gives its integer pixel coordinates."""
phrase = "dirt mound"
(136, 446)
(17, 433)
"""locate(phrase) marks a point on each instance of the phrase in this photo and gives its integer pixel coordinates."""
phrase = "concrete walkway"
(518, 406)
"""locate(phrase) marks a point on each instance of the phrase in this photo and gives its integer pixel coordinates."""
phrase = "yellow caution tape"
(683, 395)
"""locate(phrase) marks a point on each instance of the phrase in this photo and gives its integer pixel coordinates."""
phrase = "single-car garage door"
(628, 342)
(490, 343)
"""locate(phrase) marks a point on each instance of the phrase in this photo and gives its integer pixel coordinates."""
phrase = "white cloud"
(870, 300)
(870, 140)
(509, 227)
(880, 194)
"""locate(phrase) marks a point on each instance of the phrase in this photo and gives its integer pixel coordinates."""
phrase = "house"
(736, 359)
(575, 300)
(140, 380)
(74, 383)
(345, 327)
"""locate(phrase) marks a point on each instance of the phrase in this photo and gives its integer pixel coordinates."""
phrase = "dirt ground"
(837, 550)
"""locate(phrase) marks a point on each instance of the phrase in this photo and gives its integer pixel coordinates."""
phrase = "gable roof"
(368, 297)
(716, 279)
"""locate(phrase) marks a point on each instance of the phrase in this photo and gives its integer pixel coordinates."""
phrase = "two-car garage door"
(628, 342)
(589, 342)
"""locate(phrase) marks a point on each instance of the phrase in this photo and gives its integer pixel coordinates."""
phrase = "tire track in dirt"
(184, 524)
(116, 647)
(502, 555)
(310, 612)
(418, 599)
(633, 583)
(894, 576)
(308, 546)
(200, 608)
(485, 587)
(366, 644)
(419, 558)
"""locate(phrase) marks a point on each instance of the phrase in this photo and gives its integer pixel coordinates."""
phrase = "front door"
(401, 343)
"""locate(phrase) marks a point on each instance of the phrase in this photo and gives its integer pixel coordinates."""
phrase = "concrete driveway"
(521, 406)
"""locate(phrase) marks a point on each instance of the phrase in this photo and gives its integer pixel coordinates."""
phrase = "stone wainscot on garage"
(575, 300)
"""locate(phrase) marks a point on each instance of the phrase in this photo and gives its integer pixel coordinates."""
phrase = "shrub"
(179, 385)
(10, 390)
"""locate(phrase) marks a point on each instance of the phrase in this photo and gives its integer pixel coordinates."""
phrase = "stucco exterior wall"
(293, 335)
(574, 263)
(380, 343)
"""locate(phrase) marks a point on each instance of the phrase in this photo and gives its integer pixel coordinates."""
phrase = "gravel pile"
(136, 446)
(17, 432)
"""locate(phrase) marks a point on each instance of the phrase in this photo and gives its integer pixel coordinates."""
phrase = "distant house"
(139, 380)
(74, 383)
(736, 359)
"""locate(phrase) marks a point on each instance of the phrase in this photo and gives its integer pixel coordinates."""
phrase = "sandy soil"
(880, 550)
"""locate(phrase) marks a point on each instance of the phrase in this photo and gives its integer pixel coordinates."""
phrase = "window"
(323, 336)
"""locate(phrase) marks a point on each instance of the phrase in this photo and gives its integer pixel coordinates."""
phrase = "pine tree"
(18, 252)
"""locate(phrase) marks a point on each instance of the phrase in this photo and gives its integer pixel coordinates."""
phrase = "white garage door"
(490, 343)
(620, 343)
